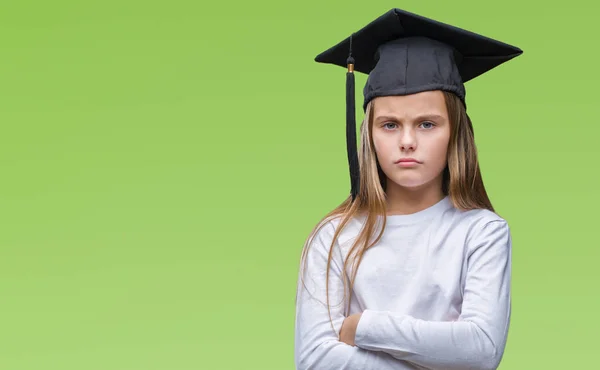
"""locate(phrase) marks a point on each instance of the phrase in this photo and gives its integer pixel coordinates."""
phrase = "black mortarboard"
(404, 53)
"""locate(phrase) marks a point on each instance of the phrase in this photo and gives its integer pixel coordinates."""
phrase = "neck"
(403, 201)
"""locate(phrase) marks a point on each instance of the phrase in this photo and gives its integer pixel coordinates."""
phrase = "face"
(413, 127)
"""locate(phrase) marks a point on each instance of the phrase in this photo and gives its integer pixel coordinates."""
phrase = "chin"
(406, 183)
(410, 183)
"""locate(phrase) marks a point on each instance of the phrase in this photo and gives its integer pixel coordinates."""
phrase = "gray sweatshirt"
(434, 293)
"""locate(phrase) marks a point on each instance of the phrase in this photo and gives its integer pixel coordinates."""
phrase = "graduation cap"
(405, 53)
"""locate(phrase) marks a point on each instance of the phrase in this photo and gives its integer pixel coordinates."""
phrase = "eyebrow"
(431, 116)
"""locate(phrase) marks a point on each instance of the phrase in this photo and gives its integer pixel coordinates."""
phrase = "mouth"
(407, 164)
(407, 161)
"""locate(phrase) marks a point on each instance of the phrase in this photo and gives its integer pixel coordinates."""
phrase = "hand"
(348, 331)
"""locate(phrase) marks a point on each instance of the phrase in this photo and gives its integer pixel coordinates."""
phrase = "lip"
(407, 162)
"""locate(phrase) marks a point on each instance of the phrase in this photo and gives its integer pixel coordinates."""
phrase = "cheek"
(384, 149)
(439, 152)
(379, 146)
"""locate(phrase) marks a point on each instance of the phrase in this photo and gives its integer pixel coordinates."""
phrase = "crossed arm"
(386, 340)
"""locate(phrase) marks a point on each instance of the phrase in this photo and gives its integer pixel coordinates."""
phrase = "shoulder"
(329, 228)
(480, 217)
(484, 227)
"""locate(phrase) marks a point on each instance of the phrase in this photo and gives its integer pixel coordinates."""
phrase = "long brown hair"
(462, 182)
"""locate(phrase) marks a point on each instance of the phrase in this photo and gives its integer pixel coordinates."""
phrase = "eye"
(388, 123)
(431, 125)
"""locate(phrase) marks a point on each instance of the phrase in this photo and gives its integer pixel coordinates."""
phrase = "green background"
(163, 162)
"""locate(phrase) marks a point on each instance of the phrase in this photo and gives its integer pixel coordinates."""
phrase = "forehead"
(427, 102)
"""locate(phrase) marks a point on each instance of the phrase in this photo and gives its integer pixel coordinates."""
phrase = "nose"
(407, 141)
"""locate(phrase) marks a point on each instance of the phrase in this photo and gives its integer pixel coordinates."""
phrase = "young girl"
(433, 287)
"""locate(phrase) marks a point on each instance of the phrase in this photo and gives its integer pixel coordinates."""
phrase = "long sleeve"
(476, 340)
(317, 345)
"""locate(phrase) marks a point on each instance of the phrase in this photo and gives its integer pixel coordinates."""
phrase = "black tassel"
(351, 127)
